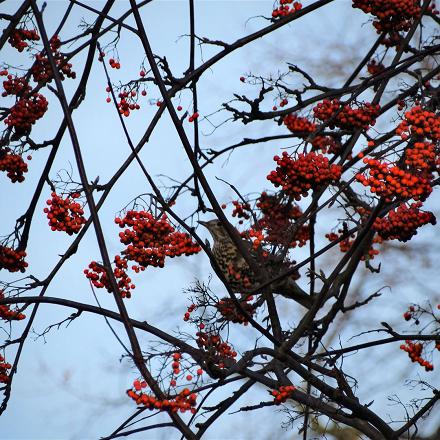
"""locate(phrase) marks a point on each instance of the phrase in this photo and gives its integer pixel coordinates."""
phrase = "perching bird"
(238, 273)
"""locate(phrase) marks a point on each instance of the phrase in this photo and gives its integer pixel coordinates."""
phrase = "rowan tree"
(344, 184)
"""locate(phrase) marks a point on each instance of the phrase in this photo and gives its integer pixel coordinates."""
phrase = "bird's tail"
(290, 289)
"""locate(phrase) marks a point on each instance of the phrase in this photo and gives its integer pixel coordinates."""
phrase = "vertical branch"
(312, 271)
(197, 151)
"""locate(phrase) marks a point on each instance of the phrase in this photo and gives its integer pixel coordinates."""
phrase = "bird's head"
(216, 229)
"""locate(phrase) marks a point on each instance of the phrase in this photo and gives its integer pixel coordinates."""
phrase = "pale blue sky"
(72, 385)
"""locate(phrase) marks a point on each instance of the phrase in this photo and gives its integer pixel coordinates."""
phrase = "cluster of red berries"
(42, 71)
(276, 215)
(114, 64)
(307, 171)
(286, 7)
(409, 313)
(193, 117)
(255, 235)
(18, 36)
(26, 112)
(390, 181)
(220, 353)
(175, 365)
(414, 351)
(152, 239)
(126, 103)
(187, 314)
(124, 281)
(299, 125)
(231, 313)
(98, 276)
(138, 385)
(303, 127)
(65, 215)
(182, 402)
(15, 85)
(241, 210)
(13, 164)
(392, 16)
(4, 367)
(345, 116)
(282, 394)
(301, 236)
(345, 245)
(12, 259)
(402, 223)
(7, 314)
(421, 156)
(373, 67)
(421, 124)
(277, 224)
(327, 144)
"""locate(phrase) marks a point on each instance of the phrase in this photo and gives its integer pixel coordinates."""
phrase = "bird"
(240, 276)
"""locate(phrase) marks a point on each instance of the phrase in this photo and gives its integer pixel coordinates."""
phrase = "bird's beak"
(202, 223)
